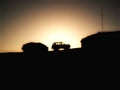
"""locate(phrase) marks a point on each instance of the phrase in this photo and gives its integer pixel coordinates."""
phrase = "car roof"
(58, 42)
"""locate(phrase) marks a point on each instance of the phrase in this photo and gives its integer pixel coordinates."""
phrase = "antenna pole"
(102, 21)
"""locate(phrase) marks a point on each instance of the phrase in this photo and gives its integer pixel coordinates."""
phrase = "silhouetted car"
(60, 45)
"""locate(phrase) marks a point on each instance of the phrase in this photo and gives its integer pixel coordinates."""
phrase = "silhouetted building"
(34, 48)
(102, 40)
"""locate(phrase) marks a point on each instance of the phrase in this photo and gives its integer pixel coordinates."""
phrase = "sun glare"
(46, 26)
(59, 33)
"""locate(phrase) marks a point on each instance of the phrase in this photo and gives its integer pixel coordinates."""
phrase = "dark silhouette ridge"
(98, 50)
(102, 40)
(87, 63)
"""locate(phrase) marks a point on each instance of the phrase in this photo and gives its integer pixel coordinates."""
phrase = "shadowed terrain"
(99, 50)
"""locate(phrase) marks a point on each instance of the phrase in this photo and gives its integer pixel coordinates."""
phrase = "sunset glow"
(49, 22)
(60, 33)
(47, 28)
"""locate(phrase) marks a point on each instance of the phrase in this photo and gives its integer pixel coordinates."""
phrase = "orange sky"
(50, 23)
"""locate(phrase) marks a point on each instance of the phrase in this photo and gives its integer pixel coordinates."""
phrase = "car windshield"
(59, 43)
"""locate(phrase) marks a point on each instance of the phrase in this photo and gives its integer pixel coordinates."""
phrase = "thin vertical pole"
(102, 24)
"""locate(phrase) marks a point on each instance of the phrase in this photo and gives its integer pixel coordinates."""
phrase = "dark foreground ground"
(76, 68)
(74, 57)
(94, 66)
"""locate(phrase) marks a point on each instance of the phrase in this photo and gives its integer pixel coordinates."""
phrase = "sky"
(48, 21)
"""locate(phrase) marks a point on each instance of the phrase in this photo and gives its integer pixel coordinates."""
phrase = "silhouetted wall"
(100, 40)
(34, 48)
